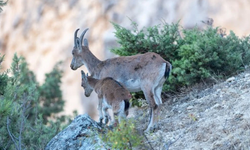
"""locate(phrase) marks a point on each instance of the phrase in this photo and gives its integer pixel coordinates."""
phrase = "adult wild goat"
(143, 72)
(111, 94)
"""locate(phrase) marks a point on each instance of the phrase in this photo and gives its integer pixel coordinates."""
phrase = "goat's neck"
(92, 81)
(90, 61)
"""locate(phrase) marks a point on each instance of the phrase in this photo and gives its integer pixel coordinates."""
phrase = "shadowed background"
(42, 31)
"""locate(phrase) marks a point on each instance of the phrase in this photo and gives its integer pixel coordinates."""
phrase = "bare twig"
(20, 130)
(180, 34)
(169, 143)
(10, 134)
(147, 140)
(130, 145)
(208, 21)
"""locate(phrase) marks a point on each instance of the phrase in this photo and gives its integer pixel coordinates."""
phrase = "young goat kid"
(111, 94)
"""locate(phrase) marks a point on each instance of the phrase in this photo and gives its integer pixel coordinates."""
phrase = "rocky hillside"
(216, 117)
(205, 118)
(42, 30)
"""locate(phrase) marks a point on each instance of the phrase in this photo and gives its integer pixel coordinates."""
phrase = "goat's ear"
(78, 44)
(83, 74)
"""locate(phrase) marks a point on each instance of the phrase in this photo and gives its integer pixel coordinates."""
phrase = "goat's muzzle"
(72, 67)
(87, 95)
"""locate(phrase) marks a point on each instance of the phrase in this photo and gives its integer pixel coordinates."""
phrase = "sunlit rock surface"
(81, 134)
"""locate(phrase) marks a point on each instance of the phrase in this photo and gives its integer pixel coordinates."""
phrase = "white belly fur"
(133, 85)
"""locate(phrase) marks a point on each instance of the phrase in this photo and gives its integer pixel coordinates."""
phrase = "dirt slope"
(215, 118)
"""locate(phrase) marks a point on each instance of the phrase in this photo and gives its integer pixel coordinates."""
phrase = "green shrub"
(3, 78)
(24, 123)
(50, 94)
(205, 54)
(124, 136)
(160, 39)
(199, 55)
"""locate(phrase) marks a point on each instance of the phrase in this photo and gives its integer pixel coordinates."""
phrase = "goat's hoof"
(152, 129)
(106, 120)
(100, 123)
(156, 127)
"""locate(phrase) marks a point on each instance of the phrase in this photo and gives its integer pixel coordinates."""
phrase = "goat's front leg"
(106, 115)
(100, 110)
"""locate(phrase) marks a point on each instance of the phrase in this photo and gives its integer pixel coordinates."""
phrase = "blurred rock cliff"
(42, 31)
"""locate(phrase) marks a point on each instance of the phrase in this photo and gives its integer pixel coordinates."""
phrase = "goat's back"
(130, 66)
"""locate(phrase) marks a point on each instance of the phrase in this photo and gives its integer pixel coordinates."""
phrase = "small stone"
(217, 106)
(247, 75)
(190, 107)
(230, 79)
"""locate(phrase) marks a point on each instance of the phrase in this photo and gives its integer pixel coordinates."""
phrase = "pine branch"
(2, 4)
(10, 134)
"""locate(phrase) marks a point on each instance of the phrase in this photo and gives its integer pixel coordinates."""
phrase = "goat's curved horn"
(85, 42)
(75, 37)
(82, 35)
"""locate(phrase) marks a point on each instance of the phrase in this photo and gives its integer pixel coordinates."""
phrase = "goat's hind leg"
(100, 111)
(149, 95)
(118, 112)
(106, 115)
(158, 100)
(157, 90)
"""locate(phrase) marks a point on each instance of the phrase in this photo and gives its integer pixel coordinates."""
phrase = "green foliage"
(124, 136)
(2, 3)
(51, 95)
(159, 39)
(205, 54)
(23, 124)
(3, 78)
(199, 55)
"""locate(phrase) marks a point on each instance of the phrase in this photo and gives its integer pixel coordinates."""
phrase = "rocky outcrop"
(81, 134)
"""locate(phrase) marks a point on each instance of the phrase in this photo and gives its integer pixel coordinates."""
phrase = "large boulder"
(81, 134)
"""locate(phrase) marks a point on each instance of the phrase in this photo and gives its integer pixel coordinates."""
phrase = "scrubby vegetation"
(124, 136)
(28, 110)
(197, 55)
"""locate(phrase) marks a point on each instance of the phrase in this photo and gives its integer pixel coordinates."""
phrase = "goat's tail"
(168, 70)
(127, 105)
